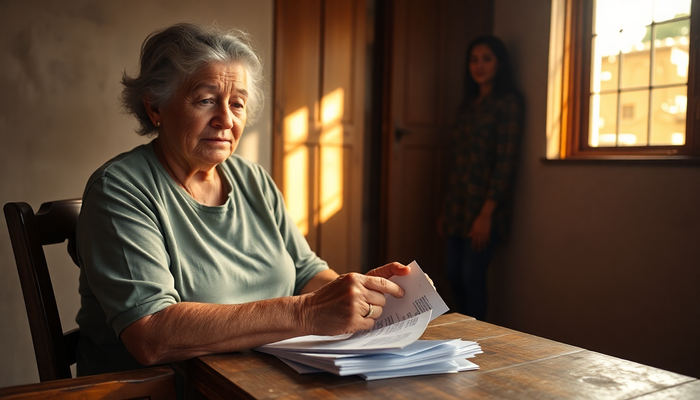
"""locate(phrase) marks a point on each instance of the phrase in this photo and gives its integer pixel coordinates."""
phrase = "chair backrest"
(54, 223)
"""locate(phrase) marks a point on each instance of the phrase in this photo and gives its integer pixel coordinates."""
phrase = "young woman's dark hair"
(502, 82)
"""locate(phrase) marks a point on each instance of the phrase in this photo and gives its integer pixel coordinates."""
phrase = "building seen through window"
(639, 73)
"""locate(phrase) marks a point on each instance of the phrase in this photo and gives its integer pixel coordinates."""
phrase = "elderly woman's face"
(201, 126)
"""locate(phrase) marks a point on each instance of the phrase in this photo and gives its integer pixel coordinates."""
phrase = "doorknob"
(400, 132)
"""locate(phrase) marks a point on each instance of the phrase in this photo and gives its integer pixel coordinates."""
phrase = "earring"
(157, 123)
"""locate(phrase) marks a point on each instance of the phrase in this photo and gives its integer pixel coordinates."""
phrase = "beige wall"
(602, 256)
(60, 66)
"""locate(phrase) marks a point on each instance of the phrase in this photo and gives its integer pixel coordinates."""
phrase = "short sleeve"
(123, 253)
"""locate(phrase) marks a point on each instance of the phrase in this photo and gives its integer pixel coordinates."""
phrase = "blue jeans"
(466, 271)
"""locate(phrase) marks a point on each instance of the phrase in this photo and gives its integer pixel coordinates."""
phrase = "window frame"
(576, 93)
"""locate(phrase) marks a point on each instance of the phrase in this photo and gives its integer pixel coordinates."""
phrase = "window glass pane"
(614, 15)
(604, 70)
(671, 53)
(670, 9)
(634, 120)
(603, 123)
(639, 74)
(635, 45)
(668, 113)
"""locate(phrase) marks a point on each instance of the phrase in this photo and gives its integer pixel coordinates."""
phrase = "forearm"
(488, 208)
(319, 280)
(187, 330)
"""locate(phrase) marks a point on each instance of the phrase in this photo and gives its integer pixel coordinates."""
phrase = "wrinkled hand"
(480, 232)
(389, 270)
(341, 305)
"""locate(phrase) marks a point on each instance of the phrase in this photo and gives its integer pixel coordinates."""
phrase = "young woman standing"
(483, 153)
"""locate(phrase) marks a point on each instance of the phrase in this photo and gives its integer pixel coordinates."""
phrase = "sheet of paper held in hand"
(402, 322)
(419, 296)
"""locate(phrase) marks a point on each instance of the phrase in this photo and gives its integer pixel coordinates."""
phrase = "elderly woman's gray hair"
(170, 56)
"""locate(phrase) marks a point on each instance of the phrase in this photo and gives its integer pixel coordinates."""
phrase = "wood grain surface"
(514, 365)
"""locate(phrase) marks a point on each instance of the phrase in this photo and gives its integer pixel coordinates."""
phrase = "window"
(628, 111)
(630, 72)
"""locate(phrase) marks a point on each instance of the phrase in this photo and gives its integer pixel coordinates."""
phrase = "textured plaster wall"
(60, 67)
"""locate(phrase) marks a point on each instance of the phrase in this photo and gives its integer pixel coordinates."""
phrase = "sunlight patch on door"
(332, 108)
(331, 141)
(325, 194)
(296, 126)
(331, 176)
(296, 168)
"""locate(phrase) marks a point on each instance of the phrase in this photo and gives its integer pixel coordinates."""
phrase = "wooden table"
(514, 365)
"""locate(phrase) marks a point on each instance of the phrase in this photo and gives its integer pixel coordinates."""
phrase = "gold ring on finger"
(369, 313)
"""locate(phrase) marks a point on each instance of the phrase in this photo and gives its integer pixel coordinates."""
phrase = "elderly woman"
(186, 249)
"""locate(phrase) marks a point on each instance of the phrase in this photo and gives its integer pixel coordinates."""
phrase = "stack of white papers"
(391, 348)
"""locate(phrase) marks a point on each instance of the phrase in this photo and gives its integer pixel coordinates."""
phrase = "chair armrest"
(157, 383)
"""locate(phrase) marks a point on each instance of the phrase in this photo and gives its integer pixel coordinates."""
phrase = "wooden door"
(318, 125)
(426, 70)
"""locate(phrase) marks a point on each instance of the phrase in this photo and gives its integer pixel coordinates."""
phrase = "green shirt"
(145, 244)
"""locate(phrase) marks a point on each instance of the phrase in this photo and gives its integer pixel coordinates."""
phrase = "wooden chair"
(55, 351)
(156, 383)
(29, 232)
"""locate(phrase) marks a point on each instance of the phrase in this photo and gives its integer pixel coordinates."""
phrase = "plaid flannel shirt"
(483, 153)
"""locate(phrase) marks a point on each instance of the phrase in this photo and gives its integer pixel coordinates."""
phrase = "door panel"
(319, 120)
(429, 41)
(297, 67)
(419, 49)
(318, 146)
